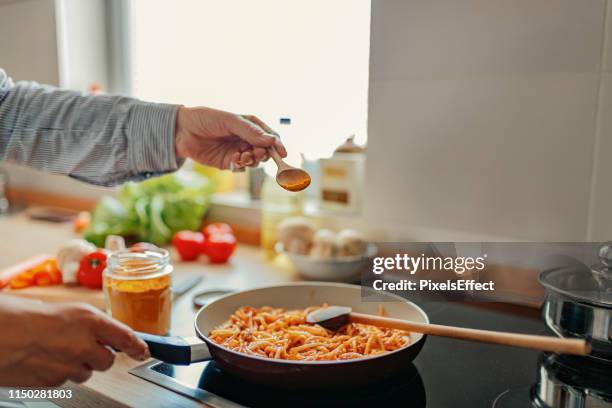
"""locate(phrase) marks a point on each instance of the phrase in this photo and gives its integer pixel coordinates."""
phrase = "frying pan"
(291, 374)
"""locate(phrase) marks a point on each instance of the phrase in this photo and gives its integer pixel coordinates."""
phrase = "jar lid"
(349, 146)
(588, 285)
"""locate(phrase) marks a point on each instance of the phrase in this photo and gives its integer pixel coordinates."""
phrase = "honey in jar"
(137, 289)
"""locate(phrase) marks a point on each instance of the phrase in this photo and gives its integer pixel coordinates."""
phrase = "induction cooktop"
(447, 373)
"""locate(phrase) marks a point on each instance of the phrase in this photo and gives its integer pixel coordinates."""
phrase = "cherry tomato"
(188, 244)
(219, 247)
(217, 228)
(90, 269)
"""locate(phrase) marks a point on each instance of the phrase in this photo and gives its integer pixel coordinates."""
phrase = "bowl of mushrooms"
(322, 254)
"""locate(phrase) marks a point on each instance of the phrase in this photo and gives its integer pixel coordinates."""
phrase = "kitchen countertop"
(116, 387)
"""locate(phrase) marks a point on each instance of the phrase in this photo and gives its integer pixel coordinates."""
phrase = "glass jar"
(137, 289)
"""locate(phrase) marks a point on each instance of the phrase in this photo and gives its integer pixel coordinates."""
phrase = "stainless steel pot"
(572, 382)
(578, 302)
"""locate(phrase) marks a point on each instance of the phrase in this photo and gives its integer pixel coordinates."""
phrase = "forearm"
(102, 140)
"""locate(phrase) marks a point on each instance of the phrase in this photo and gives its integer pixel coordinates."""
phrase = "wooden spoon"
(334, 317)
(288, 177)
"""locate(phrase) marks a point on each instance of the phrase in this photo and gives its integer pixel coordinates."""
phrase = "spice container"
(341, 179)
(137, 289)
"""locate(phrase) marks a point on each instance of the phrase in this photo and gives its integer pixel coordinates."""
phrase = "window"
(306, 60)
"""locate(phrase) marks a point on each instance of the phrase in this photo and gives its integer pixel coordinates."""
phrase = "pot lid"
(589, 285)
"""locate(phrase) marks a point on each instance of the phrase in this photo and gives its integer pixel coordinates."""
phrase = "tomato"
(217, 228)
(219, 247)
(188, 244)
(220, 242)
(90, 269)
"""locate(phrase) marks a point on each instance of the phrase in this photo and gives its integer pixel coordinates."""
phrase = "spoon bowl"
(288, 177)
(293, 179)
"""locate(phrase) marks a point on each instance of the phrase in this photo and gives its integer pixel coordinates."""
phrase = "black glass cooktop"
(210, 377)
(447, 373)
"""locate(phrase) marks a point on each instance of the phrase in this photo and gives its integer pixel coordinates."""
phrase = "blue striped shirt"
(100, 139)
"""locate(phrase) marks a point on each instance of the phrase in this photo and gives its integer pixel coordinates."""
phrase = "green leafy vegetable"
(152, 210)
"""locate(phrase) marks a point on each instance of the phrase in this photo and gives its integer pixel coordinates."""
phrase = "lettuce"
(152, 210)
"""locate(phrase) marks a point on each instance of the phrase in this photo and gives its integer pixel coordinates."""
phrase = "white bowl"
(337, 269)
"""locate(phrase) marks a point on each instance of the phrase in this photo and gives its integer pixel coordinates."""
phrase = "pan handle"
(175, 349)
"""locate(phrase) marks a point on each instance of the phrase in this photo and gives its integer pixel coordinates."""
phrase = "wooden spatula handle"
(543, 343)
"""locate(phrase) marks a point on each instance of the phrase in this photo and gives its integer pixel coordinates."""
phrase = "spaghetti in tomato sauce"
(284, 334)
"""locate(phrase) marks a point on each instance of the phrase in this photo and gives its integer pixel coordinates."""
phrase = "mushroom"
(324, 244)
(69, 258)
(350, 243)
(296, 235)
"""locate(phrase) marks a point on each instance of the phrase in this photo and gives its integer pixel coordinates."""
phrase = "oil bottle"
(276, 205)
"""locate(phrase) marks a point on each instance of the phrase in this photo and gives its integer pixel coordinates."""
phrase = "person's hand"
(46, 344)
(223, 139)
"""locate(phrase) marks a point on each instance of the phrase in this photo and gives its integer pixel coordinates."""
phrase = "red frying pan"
(290, 374)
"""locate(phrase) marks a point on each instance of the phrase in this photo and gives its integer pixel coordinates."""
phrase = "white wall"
(486, 113)
(600, 221)
(28, 47)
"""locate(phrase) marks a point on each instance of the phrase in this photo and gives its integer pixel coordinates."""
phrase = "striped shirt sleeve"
(104, 139)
